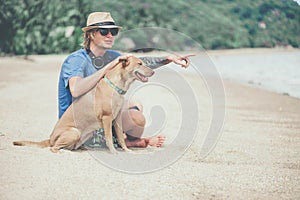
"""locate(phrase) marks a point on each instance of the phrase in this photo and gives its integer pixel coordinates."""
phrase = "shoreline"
(214, 55)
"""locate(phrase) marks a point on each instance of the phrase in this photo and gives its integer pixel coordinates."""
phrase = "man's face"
(103, 41)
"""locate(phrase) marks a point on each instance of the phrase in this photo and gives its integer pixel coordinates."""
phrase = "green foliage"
(52, 26)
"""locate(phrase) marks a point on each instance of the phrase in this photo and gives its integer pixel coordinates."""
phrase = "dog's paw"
(113, 151)
(127, 150)
(54, 149)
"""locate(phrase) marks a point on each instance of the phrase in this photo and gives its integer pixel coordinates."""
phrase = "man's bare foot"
(157, 141)
(142, 143)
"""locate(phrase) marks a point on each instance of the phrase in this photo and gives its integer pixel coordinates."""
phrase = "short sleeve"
(73, 66)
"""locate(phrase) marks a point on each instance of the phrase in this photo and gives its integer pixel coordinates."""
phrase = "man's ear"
(125, 62)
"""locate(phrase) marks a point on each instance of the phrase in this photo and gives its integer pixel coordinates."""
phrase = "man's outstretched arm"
(156, 62)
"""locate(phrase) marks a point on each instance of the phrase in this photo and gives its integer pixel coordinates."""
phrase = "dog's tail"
(41, 144)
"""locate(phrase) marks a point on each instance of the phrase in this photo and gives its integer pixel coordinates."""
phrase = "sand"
(255, 157)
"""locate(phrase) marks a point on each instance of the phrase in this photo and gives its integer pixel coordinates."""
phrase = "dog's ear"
(125, 62)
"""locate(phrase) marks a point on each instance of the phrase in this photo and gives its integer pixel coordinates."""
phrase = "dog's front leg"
(119, 134)
(107, 123)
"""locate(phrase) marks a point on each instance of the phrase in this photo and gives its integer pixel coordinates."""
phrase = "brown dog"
(96, 109)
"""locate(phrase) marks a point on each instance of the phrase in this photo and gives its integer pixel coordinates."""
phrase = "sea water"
(278, 71)
(274, 70)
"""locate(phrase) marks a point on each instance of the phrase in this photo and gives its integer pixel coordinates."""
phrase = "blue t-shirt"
(80, 64)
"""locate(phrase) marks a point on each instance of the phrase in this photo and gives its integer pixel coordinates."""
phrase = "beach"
(255, 155)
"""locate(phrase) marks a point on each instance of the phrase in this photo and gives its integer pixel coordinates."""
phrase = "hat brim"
(87, 28)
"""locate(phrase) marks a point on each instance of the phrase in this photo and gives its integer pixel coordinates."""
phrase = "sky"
(298, 1)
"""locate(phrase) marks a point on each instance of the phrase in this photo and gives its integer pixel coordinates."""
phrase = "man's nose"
(109, 35)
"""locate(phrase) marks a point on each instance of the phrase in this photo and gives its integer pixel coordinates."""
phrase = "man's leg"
(133, 124)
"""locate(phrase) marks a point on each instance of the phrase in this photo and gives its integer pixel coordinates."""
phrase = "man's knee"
(137, 118)
(133, 120)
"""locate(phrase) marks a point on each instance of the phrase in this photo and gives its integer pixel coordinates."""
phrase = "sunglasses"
(105, 31)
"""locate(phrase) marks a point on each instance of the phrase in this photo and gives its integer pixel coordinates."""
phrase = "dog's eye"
(140, 63)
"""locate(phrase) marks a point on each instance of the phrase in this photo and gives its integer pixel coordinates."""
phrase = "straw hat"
(100, 20)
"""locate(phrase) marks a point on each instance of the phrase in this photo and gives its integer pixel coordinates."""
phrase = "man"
(82, 70)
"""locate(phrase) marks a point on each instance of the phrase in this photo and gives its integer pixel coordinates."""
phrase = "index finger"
(189, 55)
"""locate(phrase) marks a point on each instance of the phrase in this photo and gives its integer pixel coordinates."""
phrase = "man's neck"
(97, 51)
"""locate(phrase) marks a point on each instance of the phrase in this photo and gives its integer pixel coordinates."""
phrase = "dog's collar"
(119, 90)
